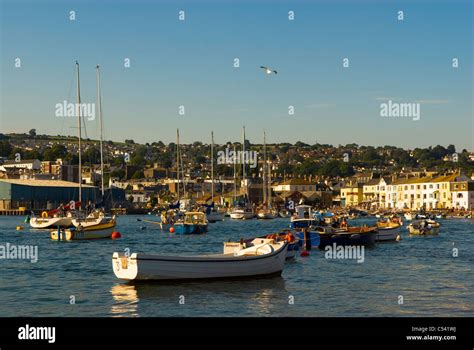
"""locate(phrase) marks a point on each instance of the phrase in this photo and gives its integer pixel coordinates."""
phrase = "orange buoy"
(116, 235)
(304, 253)
(171, 229)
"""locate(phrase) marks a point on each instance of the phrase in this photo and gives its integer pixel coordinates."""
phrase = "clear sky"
(190, 63)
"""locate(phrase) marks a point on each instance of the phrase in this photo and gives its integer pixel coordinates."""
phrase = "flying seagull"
(268, 70)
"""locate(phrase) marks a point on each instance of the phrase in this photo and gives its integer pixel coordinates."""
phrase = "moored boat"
(387, 231)
(50, 222)
(424, 227)
(263, 259)
(193, 223)
(242, 213)
(360, 235)
(293, 243)
(100, 231)
(303, 217)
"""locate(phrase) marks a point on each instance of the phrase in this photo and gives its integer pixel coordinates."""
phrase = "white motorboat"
(214, 216)
(424, 227)
(408, 216)
(242, 213)
(267, 258)
(265, 214)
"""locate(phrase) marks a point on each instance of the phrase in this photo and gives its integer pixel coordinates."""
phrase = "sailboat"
(96, 224)
(245, 212)
(212, 213)
(265, 212)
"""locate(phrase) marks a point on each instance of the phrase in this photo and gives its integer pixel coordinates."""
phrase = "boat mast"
(269, 184)
(78, 109)
(101, 125)
(212, 166)
(235, 176)
(177, 161)
(244, 180)
(264, 186)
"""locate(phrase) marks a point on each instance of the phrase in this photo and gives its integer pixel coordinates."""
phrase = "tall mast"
(212, 166)
(235, 176)
(264, 186)
(269, 184)
(177, 161)
(78, 109)
(101, 126)
(243, 156)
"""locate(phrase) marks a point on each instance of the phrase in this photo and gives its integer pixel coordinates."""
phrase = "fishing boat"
(293, 243)
(357, 235)
(193, 223)
(424, 227)
(104, 230)
(302, 217)
(387, 231)
(240, 213)
(267, 258)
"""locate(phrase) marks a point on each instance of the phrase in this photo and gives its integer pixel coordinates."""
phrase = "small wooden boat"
(92, 232)
(356, 235)
(194, 222)
(424, 227)
(387, 231)
(263, 259)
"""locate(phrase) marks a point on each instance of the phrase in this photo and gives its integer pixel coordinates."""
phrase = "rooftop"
(43, 183)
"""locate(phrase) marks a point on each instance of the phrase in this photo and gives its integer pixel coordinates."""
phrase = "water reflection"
(256, 296)
(125, 301)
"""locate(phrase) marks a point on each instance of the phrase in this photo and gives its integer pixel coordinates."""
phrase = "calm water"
(421, 269)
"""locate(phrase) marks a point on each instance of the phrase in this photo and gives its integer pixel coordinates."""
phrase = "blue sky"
(190, 63)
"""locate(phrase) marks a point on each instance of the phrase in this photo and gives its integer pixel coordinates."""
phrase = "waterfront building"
(42, 194)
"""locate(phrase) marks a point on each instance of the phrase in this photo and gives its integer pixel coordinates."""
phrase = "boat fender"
(44, 214)
(171, 229)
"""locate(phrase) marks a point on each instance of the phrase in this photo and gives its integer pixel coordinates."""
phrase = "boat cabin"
(195, 218)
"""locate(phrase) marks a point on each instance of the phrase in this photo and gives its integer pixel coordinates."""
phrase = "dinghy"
(361, 235)
(263, 259)
(293, 243)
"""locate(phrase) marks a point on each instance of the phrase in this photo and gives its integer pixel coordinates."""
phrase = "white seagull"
(268, 70)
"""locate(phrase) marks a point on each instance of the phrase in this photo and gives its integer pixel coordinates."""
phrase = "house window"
(431, 186)
(406, 196)
(455, 187)
(424, 196)
(418, 187)
(418, 196)
(406, 188)
(459, 195)
(412, 187)
(424, 187)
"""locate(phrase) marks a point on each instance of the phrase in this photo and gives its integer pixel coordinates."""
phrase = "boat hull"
(347, 238)
(97, 232)
(241, 216)
(156, 267)
(48, 223)
(298, 224)
(387, 234)
(188, 229)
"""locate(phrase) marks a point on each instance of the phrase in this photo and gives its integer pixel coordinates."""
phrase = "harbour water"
(418, 276)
